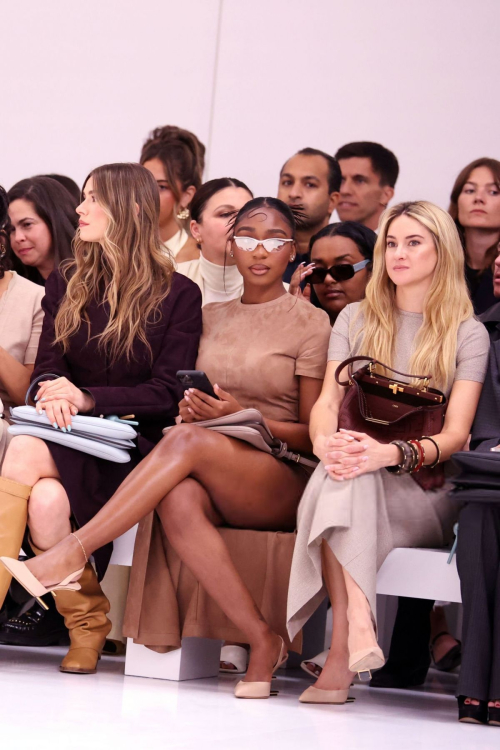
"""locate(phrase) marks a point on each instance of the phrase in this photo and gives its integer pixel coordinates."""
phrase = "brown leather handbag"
(387, 409)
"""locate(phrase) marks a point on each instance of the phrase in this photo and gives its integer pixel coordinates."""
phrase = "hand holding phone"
(196, 379)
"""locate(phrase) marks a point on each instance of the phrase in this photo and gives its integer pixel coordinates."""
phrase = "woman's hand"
(198, 406)
(351, 454)
(301, 272)
(59, 412)
(62, 388)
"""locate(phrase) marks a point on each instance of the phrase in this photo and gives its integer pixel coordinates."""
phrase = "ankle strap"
(81, 545)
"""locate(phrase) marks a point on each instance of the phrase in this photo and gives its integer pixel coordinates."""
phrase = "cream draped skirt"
(361, 520)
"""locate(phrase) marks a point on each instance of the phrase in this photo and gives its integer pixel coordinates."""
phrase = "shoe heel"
(41, 603)
(365, 675)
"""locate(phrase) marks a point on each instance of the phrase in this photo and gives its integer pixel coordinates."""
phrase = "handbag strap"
(370, 361)
(46, 376)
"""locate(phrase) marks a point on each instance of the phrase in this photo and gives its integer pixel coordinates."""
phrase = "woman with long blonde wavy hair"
(417, 318)
(119, 323)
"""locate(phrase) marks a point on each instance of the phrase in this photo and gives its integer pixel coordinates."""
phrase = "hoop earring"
(183, 214)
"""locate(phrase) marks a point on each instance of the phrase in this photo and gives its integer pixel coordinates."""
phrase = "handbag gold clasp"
(394, 387)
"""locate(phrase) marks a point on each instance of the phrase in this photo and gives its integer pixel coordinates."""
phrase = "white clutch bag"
(250, 426)
(109, 439)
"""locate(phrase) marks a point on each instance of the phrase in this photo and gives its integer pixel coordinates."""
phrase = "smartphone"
(196, 379)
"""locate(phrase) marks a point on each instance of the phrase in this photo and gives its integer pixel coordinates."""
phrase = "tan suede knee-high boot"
(84, 613)
(13, 516)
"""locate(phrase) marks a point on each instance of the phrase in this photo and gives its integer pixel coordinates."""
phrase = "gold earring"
(3, 250)
(183, 213)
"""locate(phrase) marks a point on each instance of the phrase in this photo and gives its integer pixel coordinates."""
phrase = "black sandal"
(494, 715)
(468, 713)
(451, 659)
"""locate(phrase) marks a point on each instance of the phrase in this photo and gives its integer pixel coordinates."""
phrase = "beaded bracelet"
(421, 455)
(408, 461)
(438, 457)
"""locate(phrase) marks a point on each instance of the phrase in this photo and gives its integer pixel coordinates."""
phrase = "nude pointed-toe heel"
(334, 697)
(25, 577)
(257, 690)
(364, 661)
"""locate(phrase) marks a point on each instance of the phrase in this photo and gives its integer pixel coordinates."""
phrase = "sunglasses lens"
(273, 245)
(318, 276)
(342, 272)
(245, 243)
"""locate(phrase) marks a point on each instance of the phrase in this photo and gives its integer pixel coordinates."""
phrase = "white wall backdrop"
(83, 83)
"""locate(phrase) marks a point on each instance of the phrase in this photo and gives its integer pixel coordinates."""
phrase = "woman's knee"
(186, 438)
(48, 504)
(25, 459)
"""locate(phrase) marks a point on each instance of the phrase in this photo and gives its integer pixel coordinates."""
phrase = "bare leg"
(189, 520)
(441, 639)
(335, 674)
(239, 477)
(359, 615)
(49, 513)
(28, 460)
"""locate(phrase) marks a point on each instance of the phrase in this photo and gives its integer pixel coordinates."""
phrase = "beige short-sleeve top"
(21, 318)
(473, 342)
(258, 352)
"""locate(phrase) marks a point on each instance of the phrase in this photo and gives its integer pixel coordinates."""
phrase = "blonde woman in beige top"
(266, 350)
(417, 317)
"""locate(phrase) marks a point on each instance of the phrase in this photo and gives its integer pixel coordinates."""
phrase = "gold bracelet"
(438, 458)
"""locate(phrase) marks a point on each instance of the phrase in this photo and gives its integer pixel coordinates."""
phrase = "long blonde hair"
(128, 270)
(446, 306)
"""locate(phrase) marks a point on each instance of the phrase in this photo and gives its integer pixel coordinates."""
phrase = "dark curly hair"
(4, 258)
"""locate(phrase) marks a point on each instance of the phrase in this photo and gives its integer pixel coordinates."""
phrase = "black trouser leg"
(495, 662)
(409, 656)
(478, 563)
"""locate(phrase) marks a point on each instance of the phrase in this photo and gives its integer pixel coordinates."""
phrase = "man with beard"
(309, 183)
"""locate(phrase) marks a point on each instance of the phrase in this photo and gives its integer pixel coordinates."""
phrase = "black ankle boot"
(409, 656)
(36, 627)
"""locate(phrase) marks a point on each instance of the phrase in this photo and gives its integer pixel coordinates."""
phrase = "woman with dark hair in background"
(42, 225)
(67, 183)
(118, 325)
(475, 207)
(342, 255)
(21, 319)
(196, 480)
(176, 159)
(213, 207)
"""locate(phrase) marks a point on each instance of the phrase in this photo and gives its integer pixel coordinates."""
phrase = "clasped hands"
(61, 400)
(348, 454)
(197, 406)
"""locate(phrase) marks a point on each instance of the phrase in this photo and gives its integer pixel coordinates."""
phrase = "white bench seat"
(419, 573)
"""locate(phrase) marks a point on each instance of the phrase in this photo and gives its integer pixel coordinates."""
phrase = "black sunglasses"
(341, 272)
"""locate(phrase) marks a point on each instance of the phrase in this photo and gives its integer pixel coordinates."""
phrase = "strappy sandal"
(451, 659)
(235, 655)
(318, 661)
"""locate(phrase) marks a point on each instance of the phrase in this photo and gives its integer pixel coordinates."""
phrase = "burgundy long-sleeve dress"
(144, 386)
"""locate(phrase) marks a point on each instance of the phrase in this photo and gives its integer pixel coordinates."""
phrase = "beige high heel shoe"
(260, 689)
(364, 661)
(25, 577)
(335, 697)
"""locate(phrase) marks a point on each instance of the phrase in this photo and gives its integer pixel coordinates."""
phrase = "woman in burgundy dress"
(119, 323)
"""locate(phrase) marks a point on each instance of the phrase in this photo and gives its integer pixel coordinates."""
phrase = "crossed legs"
(197, 480)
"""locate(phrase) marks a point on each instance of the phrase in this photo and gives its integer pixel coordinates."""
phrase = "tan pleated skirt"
(166, 603)
(362, 520)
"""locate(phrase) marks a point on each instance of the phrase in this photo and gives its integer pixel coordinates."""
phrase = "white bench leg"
(197, 658)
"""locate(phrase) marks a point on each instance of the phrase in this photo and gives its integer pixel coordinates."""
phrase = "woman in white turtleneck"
(212, 207)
